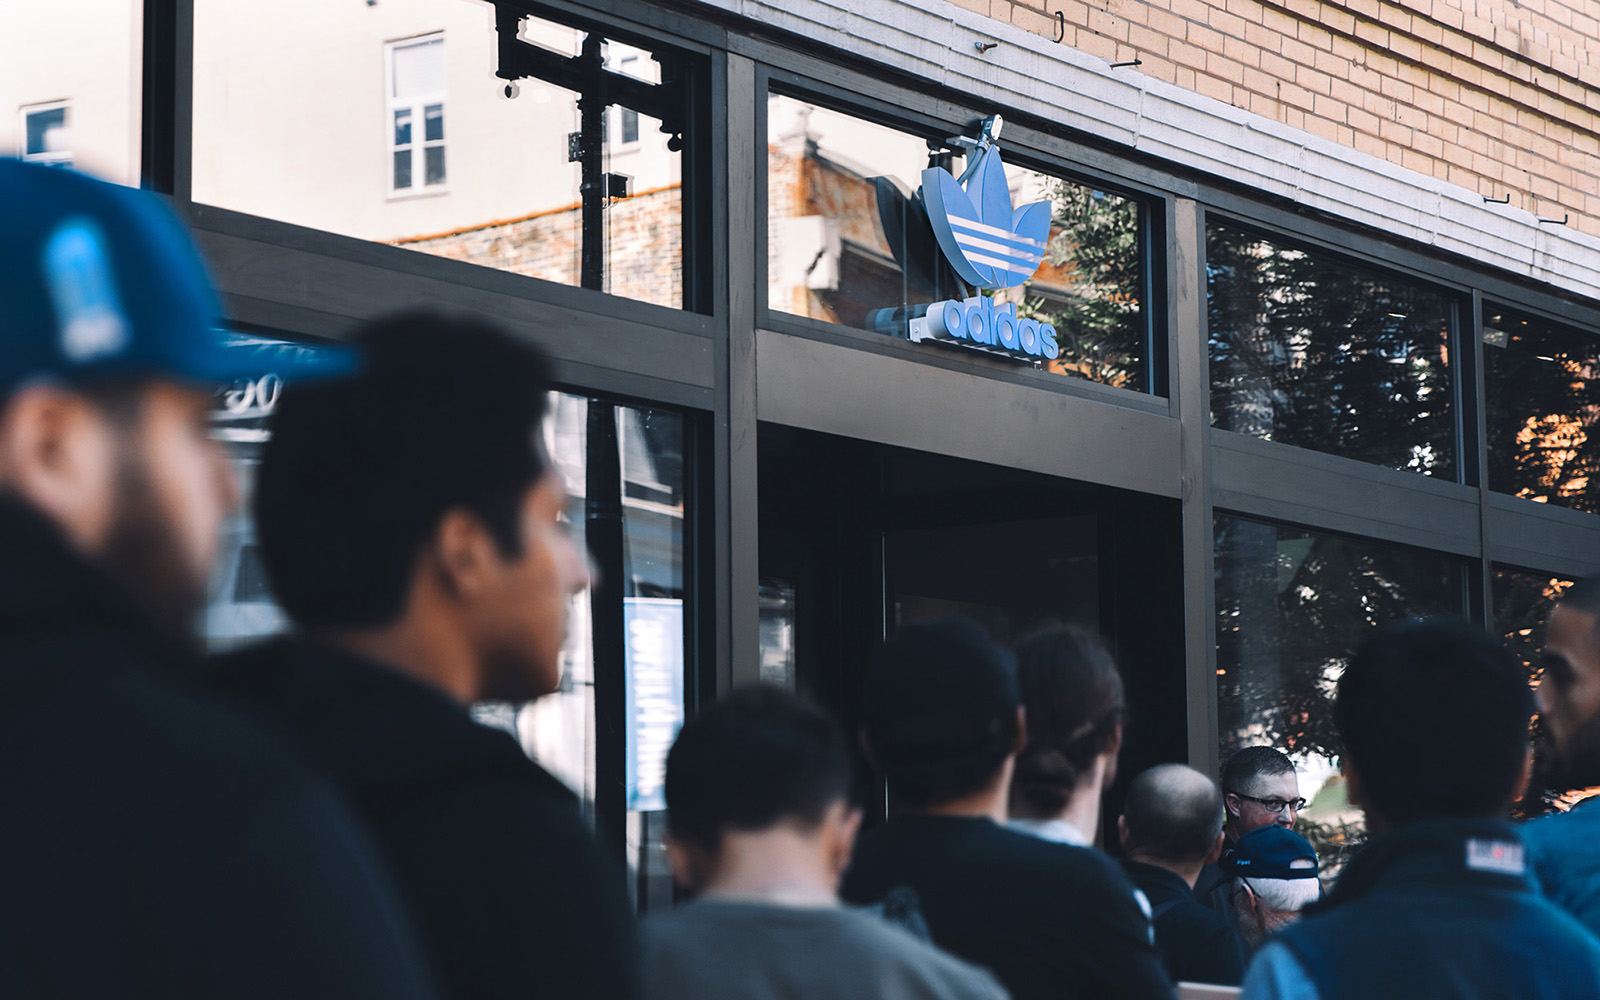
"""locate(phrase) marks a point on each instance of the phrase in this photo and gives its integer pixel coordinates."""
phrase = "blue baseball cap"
(1268, 852)
(100, 281)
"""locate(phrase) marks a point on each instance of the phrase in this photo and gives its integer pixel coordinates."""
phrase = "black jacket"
(1049, 920)
(1196, 943)
(513, 895)
(155, 844)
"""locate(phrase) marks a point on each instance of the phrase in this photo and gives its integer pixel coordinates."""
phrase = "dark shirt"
(157, 844)
(1196, 943)
(1048, 919)
(509, 888)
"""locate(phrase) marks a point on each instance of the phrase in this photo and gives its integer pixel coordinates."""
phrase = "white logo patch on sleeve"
(1504, 857)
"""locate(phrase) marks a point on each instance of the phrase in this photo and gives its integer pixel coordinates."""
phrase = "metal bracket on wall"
(1135, 61)
(1061, 22)
(1497, 201)
(1565, 218)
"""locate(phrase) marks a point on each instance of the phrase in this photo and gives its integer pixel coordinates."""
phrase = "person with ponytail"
(1072, 701)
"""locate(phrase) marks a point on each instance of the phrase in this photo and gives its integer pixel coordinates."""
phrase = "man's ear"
(58, 453)
(1022, 731)
(1122, 833)
(843, 821)
(463, 555)
(1526, 777)
(689, 864)
(1231, 802)
(1216, 848)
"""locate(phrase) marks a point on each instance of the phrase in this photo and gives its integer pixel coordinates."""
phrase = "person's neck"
(417, 646)
(988, 802)
(1083, 803)
(779, 866)
(1189, 872)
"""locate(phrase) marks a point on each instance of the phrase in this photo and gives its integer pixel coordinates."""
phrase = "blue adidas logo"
(988, 246)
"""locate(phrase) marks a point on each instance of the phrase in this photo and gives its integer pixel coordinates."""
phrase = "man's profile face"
(1245, 813)
(528, 620)
(171, 489)
(1569, 691)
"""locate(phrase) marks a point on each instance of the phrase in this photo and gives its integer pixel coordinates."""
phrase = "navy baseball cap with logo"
(1269, 852)
(99, 281)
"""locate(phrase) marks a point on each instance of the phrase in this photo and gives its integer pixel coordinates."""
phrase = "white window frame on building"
(51, 157)
(411, 141)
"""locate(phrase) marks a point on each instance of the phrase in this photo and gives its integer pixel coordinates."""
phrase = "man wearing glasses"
(1259, 788)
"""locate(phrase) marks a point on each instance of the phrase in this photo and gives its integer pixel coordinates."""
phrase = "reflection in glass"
(1522, 603)
(71, 85)
(1309, 351)
(1543, 403)
(558, 730)
(848, 242)
(436, 158)
(1292, 605)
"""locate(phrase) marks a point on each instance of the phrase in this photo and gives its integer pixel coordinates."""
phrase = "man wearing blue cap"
(1439, 902)
(155, 844)
(1274, 874)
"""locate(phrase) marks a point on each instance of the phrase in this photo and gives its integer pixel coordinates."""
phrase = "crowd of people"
(321, 815)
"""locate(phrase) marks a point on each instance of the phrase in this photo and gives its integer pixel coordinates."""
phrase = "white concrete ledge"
(934, 39)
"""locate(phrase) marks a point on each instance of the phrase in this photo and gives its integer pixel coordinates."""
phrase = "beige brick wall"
(1497, 96)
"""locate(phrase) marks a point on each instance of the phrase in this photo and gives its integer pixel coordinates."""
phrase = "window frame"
(46, 157)
(418, 106)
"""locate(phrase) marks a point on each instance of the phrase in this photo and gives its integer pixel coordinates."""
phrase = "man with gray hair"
(1275, 877)
(1171, 828)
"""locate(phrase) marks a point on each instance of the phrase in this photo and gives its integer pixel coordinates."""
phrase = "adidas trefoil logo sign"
(989, 246)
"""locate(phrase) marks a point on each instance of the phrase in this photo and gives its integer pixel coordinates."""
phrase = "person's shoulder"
(945, 974)
(1555, 831)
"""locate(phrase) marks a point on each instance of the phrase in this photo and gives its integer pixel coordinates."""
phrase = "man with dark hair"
(1562, 846)
(1259, 788)
(942, 720)
(760, 828)
(156, 844)
(411, 525)
(1434, 716)
(1171, 827)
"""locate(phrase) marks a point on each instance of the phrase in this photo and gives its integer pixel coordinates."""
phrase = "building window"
(1312, 351)
(850, 241)
(416, 113)
(1543, 408)
(44, 131)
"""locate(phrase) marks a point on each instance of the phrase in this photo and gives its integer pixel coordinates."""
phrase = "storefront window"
(563, 730)
(70, 85)
(1292, 605)
(849, 241)
(1523, 600)
(1543, 405)
(388, 123)
(1310, 351)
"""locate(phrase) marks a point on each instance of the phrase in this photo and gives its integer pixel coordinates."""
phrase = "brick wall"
(1501, 97)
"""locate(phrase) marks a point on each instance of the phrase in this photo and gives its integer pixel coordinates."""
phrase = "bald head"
(1173, 813)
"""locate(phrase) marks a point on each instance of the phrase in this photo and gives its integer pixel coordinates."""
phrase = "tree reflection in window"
(1312, 352)
(1091, 287)
(1543, 401)
(1292, 606)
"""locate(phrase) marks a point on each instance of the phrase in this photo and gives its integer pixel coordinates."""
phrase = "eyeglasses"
(1274, 805)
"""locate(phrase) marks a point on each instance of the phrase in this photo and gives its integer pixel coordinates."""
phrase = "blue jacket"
(1566, 862)
(1440, 909)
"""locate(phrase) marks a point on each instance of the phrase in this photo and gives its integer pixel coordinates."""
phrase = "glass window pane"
(402, 168)
(1543, 404)
(1310, 351)
(402, 127)
(849, 241)
(1292, 605)
(506, 194)
(71, 85)
(1522, 603)
(630, 125)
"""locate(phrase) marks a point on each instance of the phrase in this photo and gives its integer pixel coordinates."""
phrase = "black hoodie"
(155, 844)
(513, 895)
